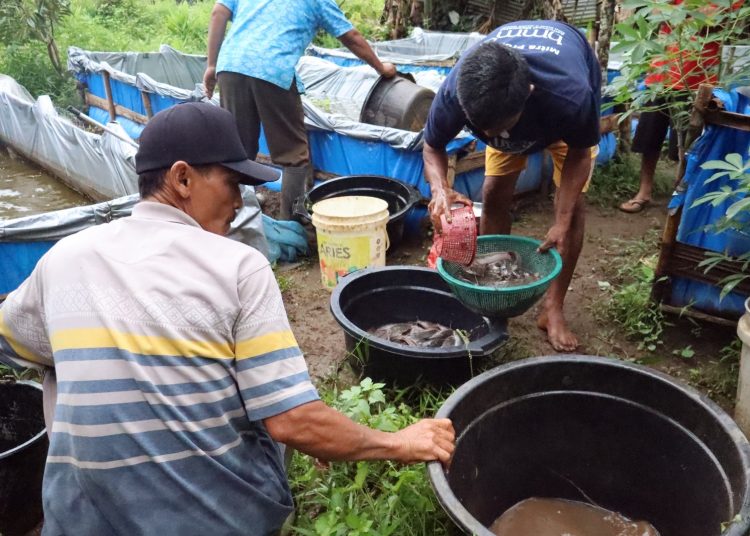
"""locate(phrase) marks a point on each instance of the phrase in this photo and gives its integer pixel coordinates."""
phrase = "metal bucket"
(397, 103)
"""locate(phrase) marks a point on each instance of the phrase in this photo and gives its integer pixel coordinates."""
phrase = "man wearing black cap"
(177, 371)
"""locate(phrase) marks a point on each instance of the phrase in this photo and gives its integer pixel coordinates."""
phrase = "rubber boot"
(294, 184)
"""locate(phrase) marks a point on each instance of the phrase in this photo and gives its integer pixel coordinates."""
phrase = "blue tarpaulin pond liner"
(102, 167)
(339, 143)
(23, 241)
(695, 226)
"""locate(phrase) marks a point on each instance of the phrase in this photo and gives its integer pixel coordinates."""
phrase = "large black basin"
(377, 296)
(23, 450)
(399, 196)
(632, 439)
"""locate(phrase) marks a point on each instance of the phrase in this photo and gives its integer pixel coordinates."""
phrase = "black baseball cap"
(200, 134)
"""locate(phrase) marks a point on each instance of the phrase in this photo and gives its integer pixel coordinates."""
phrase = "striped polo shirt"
(170, 345)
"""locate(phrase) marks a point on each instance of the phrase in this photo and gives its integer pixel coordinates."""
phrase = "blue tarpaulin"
(336, 146)
(696, 223)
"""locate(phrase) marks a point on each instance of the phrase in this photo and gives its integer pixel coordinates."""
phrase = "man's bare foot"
(558, 334)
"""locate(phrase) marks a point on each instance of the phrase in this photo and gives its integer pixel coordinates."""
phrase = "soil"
(322, 341)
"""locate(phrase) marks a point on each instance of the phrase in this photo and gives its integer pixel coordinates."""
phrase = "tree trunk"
(553, 10)
(606, 25)
(396, 14)
(549, 9)
(54, 55)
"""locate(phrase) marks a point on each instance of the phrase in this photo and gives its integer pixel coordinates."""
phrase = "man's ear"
(179, 178)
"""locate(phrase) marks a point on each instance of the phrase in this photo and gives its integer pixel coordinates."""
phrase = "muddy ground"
(608, 232)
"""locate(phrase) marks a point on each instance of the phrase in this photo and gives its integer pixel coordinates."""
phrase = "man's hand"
(425, 441)
(557, 237)
(388, 70)
(440, 205)
(209, 81)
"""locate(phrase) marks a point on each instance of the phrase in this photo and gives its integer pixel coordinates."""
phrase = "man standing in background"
(254, 66)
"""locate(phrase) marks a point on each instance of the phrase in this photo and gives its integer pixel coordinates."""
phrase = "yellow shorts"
(498, 163)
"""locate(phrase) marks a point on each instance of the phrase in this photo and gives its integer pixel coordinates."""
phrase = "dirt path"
(323, 344)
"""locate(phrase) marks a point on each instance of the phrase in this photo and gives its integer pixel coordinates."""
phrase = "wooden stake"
(146, 98)
(110, 100)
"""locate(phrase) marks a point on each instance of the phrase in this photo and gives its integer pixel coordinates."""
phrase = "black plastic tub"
(23, 450)
(377, 296)
(400, 197)
(632, 439)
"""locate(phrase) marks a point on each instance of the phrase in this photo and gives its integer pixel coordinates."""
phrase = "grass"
(618, 180)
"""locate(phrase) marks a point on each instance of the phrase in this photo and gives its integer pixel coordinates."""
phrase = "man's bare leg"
(552, 318)
(497, 200)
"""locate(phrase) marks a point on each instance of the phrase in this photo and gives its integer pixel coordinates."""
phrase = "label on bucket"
(342, 254)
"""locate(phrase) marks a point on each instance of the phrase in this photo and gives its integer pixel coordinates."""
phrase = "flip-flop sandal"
(635, 205)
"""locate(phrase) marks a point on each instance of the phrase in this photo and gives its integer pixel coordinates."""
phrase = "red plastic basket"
(458, 240)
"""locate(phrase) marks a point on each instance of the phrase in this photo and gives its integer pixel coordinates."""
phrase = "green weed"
(374, 498)
(630, 304)
(8, 373)
(285, 282)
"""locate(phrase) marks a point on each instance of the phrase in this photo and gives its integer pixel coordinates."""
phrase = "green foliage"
(104, 25)
(374, 498)
(737, 194)
(364, 15)
(719, 379)
(284, 281)
(22, 21)
(630, 305)
(22, 62)
(693, 23)
(8, 373)
(119, 25)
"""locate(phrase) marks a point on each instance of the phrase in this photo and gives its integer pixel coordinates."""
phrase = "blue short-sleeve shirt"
(566, 101)
(268, 37)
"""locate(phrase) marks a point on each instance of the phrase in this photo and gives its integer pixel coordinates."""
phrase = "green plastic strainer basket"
(509, 301)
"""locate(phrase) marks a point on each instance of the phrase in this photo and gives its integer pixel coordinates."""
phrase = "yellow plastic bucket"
(351, 233)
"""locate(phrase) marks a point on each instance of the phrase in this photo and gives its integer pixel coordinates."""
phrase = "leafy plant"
(686, 353)
(693, 25)
(25, 20)
(8, 373)
(374, 498)
(736, 217)
(630, 305)
(364, 15)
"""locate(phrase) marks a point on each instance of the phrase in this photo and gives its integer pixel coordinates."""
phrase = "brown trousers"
(255, 102)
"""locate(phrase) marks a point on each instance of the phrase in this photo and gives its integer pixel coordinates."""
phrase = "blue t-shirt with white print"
(565, 104)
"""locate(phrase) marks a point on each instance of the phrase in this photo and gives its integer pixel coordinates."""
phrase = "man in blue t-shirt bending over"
(528, 86)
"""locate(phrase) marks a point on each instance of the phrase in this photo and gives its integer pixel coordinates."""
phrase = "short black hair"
(150, 182)
(493, 84)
